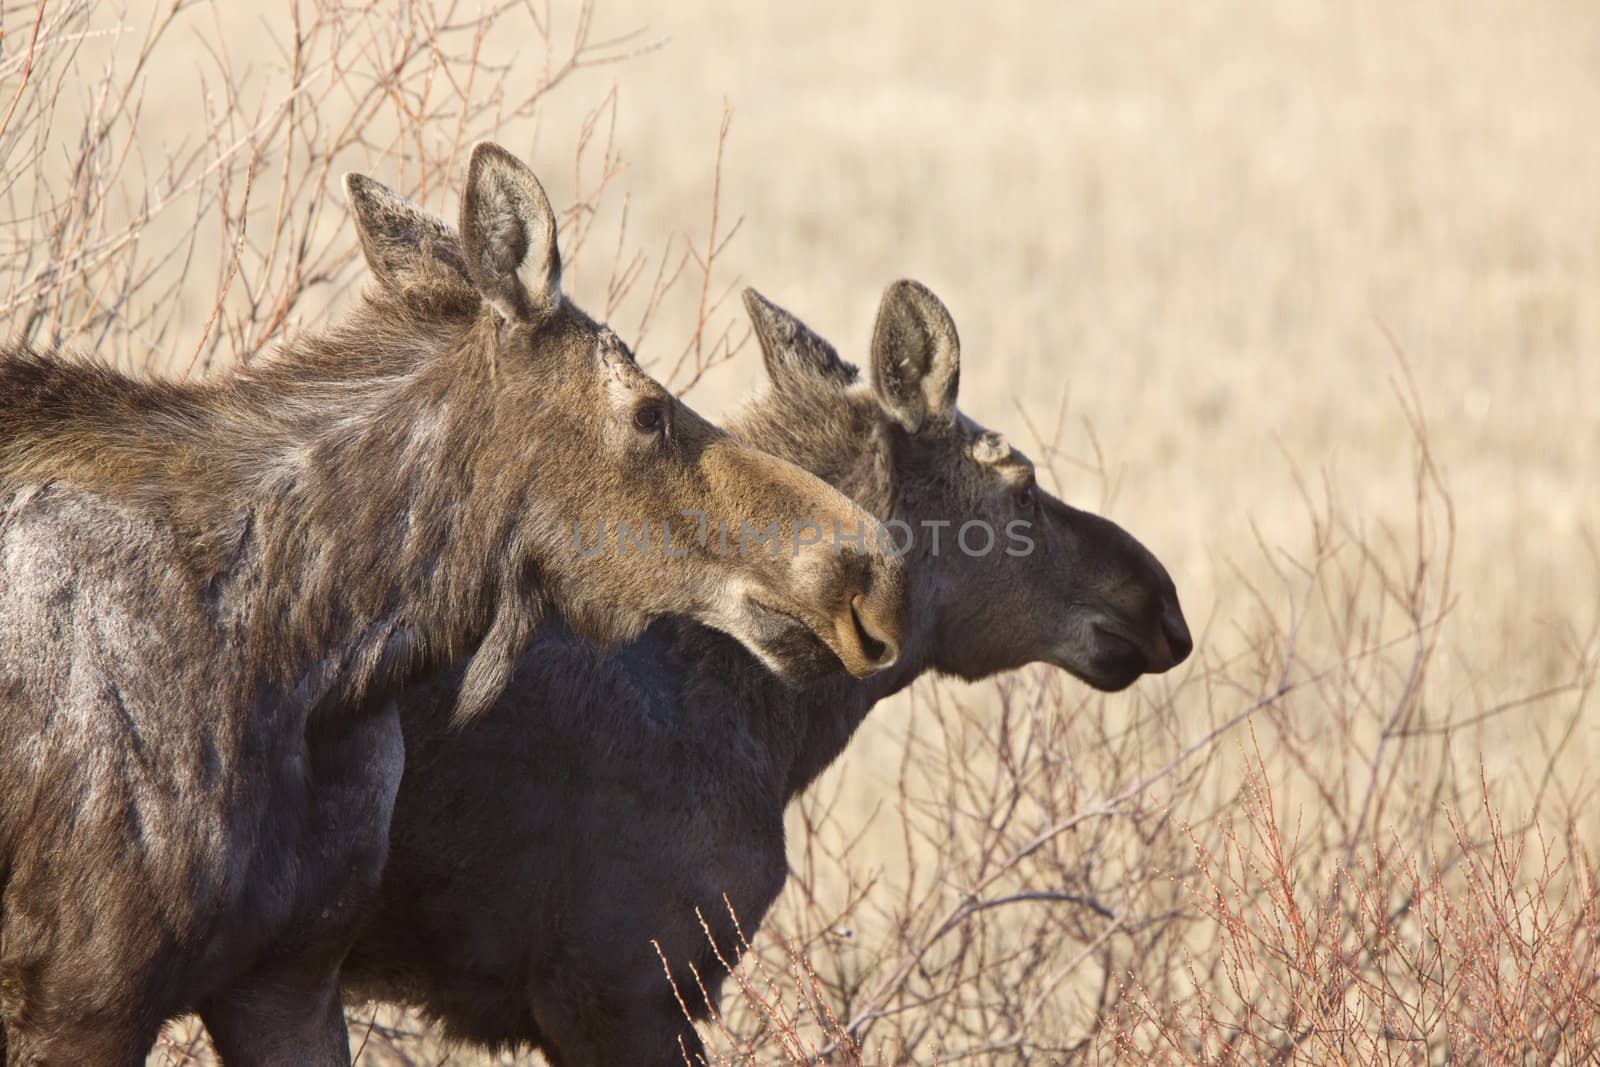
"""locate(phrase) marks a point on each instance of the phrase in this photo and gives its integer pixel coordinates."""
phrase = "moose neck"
(331, 505)
(382, 545)
(849, 445)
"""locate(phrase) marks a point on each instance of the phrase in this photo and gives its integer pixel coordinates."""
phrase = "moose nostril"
(1177, 632)
(880, 648)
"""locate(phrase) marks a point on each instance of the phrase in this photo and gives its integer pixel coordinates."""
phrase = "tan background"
(1200, 220)
(1195, 222)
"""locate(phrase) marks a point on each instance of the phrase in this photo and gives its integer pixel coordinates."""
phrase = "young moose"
(208, 594)
(537, 853)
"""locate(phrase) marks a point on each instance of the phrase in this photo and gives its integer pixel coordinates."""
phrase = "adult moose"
(537, 853)
(208, 593)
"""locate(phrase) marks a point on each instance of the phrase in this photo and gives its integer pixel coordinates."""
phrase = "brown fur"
(207, 593)
(538, 853)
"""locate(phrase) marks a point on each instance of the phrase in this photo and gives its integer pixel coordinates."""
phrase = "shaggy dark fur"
(537, 853)
(207, 593)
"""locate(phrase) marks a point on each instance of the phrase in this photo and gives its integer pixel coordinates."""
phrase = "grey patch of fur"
(990, 448)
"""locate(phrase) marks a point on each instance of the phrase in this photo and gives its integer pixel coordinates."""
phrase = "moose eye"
(648, 417)
(1025, 497)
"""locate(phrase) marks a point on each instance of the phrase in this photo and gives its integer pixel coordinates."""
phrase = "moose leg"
(287, 1012)
(281, 1018)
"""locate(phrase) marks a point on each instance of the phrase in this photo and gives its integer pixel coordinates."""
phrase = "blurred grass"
(1199, 218)
(1204, 223)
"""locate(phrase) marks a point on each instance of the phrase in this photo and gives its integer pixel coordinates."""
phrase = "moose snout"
(1173, 643)
(1177, 630)
(868, 632)
(1151, 641)
(878, 635)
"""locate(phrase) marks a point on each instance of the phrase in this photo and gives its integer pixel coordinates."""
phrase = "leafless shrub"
(208, 248)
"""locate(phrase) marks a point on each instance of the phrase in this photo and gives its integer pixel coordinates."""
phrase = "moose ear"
(509, 235)
(408, 250)
(793, 353)
(916, 357)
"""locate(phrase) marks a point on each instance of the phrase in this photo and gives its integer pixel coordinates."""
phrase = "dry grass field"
(1305, 295)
